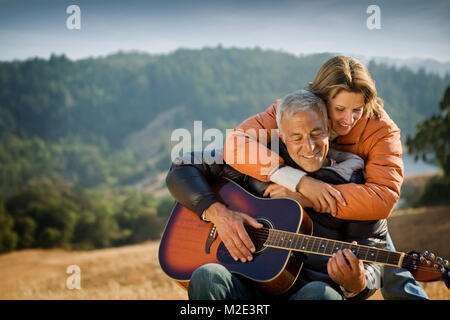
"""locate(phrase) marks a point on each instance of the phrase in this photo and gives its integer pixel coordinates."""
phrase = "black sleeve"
(190, 176)
(188, 184)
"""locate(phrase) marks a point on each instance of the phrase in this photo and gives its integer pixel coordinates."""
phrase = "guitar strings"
(382, 253)
(263, 234)
(416, 267)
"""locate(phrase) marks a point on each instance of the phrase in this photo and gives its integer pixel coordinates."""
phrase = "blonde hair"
(349, 74)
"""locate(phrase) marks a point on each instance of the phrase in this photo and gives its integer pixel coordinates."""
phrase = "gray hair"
(297, 101)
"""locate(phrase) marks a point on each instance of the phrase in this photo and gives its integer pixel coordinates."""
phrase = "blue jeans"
(214, 282)
(399, 284)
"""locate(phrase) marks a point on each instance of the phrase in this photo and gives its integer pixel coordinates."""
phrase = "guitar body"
(188, 242)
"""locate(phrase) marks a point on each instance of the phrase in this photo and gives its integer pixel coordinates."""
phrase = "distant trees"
(114, 96)
(86, 165)
(8, 238)
(432, 140)
(56, 214)
(409, 97)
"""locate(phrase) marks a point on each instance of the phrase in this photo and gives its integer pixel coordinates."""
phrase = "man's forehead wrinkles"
(294, 133)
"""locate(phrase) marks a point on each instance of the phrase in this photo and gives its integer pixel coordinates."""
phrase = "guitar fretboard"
(311, 244)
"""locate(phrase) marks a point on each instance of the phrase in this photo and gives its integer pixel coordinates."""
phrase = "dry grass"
(419, 229)
(130, 272)
(133, 272)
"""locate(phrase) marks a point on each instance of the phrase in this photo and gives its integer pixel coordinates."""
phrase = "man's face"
(306, 138)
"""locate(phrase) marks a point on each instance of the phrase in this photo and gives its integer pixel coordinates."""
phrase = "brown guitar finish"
(182, 248)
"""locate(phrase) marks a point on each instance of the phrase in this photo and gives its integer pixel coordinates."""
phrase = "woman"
(358, 124)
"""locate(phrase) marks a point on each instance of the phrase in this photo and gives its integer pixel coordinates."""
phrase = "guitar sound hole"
(259, 236)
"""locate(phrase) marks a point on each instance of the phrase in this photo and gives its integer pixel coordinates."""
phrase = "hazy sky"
(409, 28)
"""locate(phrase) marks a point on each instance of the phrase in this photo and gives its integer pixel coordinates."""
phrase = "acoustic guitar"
(188, 243)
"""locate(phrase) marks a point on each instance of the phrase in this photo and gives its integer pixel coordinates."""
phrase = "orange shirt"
(377, 141)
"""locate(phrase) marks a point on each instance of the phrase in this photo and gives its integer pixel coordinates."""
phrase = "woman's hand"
(351, 276)
(276, 191)
(323, 196)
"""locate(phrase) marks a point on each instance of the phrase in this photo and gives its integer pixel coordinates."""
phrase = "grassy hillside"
(133, 272)
(129, 272)
(420, 229)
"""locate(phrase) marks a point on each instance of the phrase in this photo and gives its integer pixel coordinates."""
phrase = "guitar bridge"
(210, 239)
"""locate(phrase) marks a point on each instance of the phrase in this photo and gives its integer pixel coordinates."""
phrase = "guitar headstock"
(427, 267)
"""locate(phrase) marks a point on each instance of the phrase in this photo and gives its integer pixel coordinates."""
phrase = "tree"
(165, 207)
(433, 138)
(8, 238)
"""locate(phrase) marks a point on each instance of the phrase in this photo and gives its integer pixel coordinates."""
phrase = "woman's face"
(344, 110)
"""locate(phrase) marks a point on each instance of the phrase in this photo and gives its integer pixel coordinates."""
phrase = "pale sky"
(409, 28)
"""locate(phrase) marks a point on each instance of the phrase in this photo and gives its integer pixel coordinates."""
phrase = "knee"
(317, 290)
(206, 280)
(208, 273)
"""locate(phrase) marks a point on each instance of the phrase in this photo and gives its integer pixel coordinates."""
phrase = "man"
(304, 140)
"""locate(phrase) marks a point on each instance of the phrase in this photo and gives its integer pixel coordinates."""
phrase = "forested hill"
(108, 120)
(82, 143)
(82, 114)
(115, 96)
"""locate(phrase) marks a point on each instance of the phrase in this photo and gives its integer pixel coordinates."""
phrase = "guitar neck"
(311, 244)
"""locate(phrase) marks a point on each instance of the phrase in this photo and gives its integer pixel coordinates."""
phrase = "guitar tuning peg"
(425, 254)
(431, 256)
(446, 264)
(439, 259)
